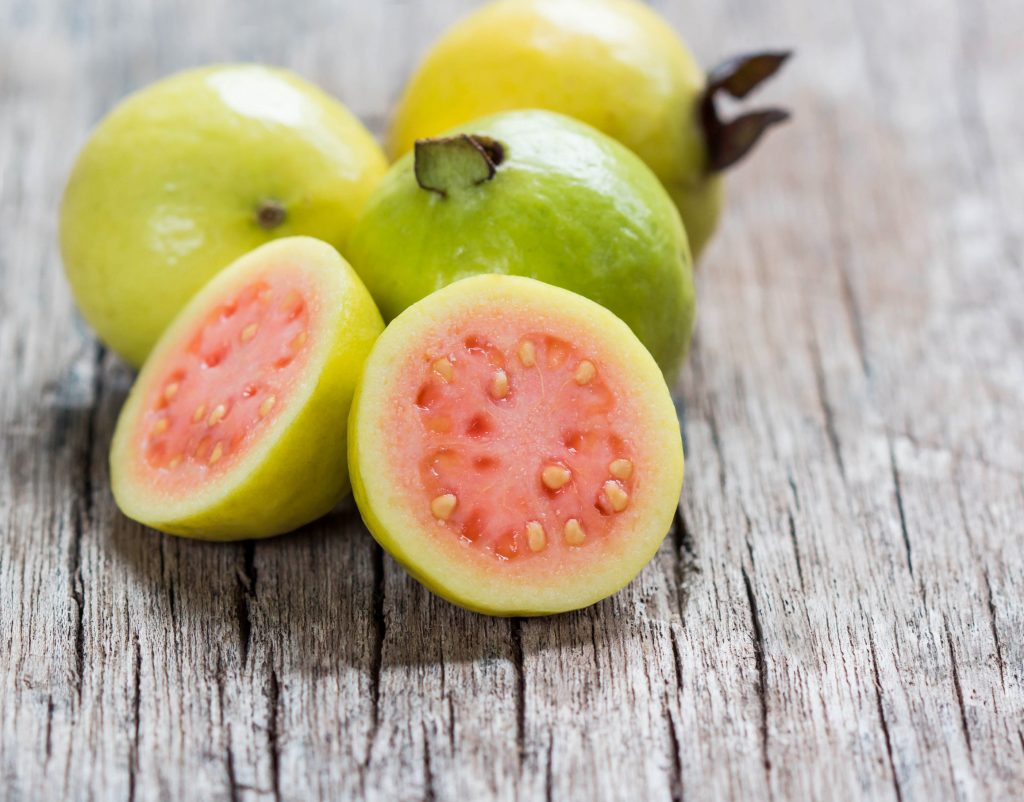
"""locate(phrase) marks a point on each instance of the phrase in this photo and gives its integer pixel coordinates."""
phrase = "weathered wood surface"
(838, 614)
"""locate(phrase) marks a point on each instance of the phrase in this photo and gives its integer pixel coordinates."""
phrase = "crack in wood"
(429, 795)
(899, 506)
(245, 592)
(549, 770)
(83, 517)
(958, 688)
(274, 700)
(686, 560)
(675, 774)
(677, 660)
(378, 624)
(48, 741)
(826, 406)
(796, 549)
(881, 715)
(757, 636)
(1000, 662)
(516, 635)
(133, 748)
(230, 767)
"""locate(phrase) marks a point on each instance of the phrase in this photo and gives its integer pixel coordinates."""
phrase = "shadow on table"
(325, 597)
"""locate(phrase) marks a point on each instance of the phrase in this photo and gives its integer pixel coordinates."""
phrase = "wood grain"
(839, 611)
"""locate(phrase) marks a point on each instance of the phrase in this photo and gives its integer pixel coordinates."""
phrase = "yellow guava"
(195, 170)
(614, 64)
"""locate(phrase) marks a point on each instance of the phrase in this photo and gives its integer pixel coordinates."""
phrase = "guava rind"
(386, 510)
(614, 64)
(169, 187)
(568, 206)
(297, 470)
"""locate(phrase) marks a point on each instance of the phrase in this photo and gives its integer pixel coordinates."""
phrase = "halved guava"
(515, 447)
(236, 426)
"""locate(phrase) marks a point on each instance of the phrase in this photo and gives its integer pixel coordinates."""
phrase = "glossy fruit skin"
(298, 470)
(167, 189)
(614, 64)
(385, 510)
(567, 205)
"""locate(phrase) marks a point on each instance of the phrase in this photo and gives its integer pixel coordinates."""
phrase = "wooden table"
(839, 612)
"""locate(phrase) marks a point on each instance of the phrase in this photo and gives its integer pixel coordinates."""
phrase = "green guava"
(535, 194)
(515, 447)
(614, 64)
(236, 426)
(192, 172)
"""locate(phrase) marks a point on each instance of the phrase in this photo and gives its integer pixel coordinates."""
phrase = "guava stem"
(447, 164)
(729, 141)
(270, 214)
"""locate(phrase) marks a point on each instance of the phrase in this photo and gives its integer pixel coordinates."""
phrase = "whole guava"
(536, 194)
(614, 64)
(195, 170)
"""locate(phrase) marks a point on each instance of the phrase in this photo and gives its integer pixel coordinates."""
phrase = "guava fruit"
(515, 447)
(236, 426)
(192, 172)
(535, 194)
(614, 64)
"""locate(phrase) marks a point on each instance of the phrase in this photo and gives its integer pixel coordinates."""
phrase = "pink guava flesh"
(224, 382)
(520, 445)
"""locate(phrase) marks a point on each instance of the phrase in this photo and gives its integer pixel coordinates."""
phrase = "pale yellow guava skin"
(297, 469)
(171, 185)
(439, 562)
(614, 64)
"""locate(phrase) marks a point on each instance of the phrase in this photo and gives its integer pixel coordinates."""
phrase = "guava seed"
(443, 368)
(535, 537)
(267, 405)
(618, 497)
(217, 415)
(527, 354)
(218, 451)
(573, 532)
(621, 468)
(443, 506)
(249, 332)
(585, 371)
(499, 384)
(555, 477)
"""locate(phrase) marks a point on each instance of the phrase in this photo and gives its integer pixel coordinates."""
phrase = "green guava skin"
(568, 206)
(298, 470)
(168, 188)
(614, 64)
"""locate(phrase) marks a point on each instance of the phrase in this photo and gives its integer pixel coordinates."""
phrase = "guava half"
(536, 194)
(195, 170)
(236, 426)
(515, 447)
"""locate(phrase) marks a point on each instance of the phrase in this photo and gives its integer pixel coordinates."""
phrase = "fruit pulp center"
(226, 380)
(522, 450)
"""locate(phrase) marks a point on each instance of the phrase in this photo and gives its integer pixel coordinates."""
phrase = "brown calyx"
(729, 141)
